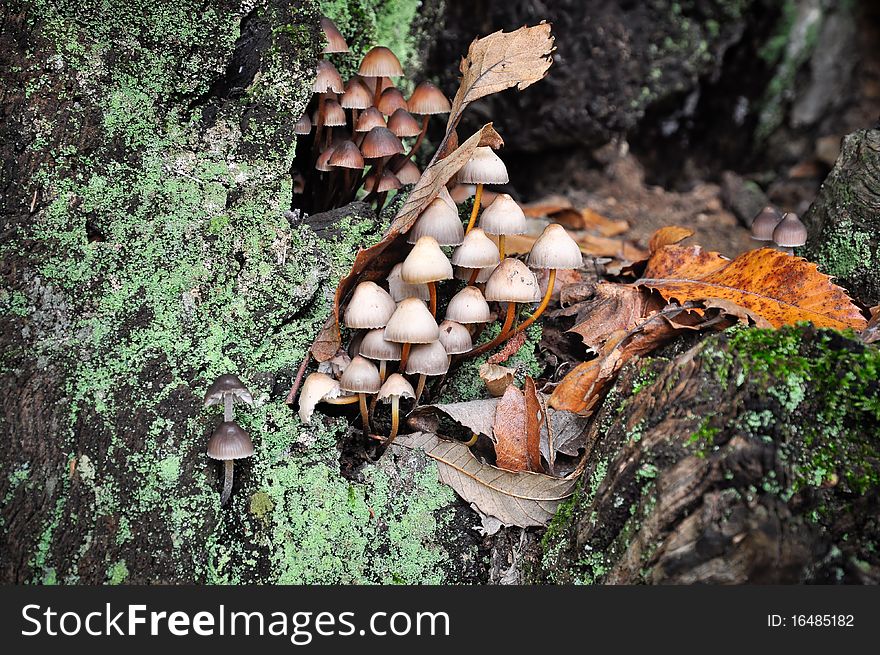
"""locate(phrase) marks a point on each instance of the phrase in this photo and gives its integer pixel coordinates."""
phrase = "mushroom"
(326, 81)
(427, 359)
(303, 125)
(467, 274)
(455, 338)
(476, 252)
(334, 114)
(347, 155)
(790, 233)
(380, 63)
(468, 306)
(370, 307)
(765, 222)
(356, 97)
(411, 323)
(426, 101)
(484, 167)
(407, 172)
(228, 390)
(361, 377)
(335, 41)
(379, 144)
(403, 124)
(441, 223)
(390, 100)
(400, 289)
(320, 388)
(375, 346)
(322, 163)
(229, 443)
(501, 218)
(426, 264)
(395, 388)
(369, 118)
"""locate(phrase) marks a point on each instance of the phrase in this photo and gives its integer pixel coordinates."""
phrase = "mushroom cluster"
(353, 133)
(229, 441)
(397, 325)
(785, 230)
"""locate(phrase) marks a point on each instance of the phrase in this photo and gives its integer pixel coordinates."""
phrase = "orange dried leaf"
(779, 287)
(683, 261)
(607, 227)
(510, 431)
(535, 419)
(608, 247)
(667, 236)
(546, 206)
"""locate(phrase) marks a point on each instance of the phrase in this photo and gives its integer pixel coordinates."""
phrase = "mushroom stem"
(544, 302)
(227, 481)
(501, 246)
(478, 199)
(432, 291)
(404, 355)
(418, 142)
(473, 278)
(382, 370)
(473, 440)
(365, 417)
(502, 336)
(378, 91)
(420, 387)
(228, 411)
(316, 144)
(395, 419)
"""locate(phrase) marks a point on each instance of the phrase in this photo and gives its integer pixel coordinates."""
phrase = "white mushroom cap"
(512, 281)
(400, 289)
(468, 306)
(463, 273)
(428, 359)
(455, 338)
(374, 346)
(503, 216)
(440, 221)
(476, 251)
(315, 388)
(447, 198)
(555, 249)
(370, 307)
(426, 263)
(396, 385)
(484, 167)
(361, 376)
(412, 323)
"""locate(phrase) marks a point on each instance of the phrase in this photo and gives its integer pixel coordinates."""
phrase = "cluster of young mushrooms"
(785, 230)
(229, 441)
(398, 328)
(352, 133)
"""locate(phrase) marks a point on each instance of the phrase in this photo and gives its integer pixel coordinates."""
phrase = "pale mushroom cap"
(400, 289)
(334, 114)
(228, 383)
(409, 173)
(412, 323)
(380, 142)
(555, 249)
(791, 232)
(764, 223)
(356, 95)
(447, 198)
(464, 273)
(426, 263)
(369, 118)
(428, 100)
(440, 222)
(396, 385)
(476, 251)
(468, 306)
(230, 441)
(512, 281)
(370, 307)
(374, 346)
(461, 192)
(484, 167)
(503, 216)
(315, 388)
(428, 359)
(390, 100)
(380, 62)
(361, 376)
(347, 155)
(403, 124)
(303, 125)
(327, 79)
(335, 40)
(455, 338)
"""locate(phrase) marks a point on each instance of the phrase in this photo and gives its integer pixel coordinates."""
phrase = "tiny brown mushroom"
(229, 443)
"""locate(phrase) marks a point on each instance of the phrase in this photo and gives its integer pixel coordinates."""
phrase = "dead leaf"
(535, 418)
(781, 288)
(871, 333)
(608, 247)
(683, 261)
(569, 218)
(496, 378)
(522, 499)
(667, 236)
(546, 206)
(517, 440)
(511, 347)
(606, 227)
(613, 308)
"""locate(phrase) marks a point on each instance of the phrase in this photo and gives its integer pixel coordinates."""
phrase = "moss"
(118, 573)
(844, 250)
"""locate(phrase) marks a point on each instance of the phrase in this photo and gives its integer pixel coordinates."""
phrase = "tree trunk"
(752, 457)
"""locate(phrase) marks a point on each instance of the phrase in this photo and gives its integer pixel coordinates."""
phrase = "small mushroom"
(484, 167)
(380, 63)
(440, 222)
(229, 443)
(504, 216)
(369, 118)
(346, 155)
(407, 172)
(765, 222)
(426, 264)
(455, 338)
(303, 125)
(403, 124)
(335, 41)
(361, 377)
(476, 252)
(320, 388)
(468, 306)
(790, 233)
(228, 390)
(370, 307)
(400, 289)
(411, 323)
(395, 388)
(427, 359)
(426, 101)
(375, 346)
(390, 100)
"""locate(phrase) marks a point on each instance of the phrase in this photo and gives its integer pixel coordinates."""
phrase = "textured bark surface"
(844, 221)
(752, 457)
